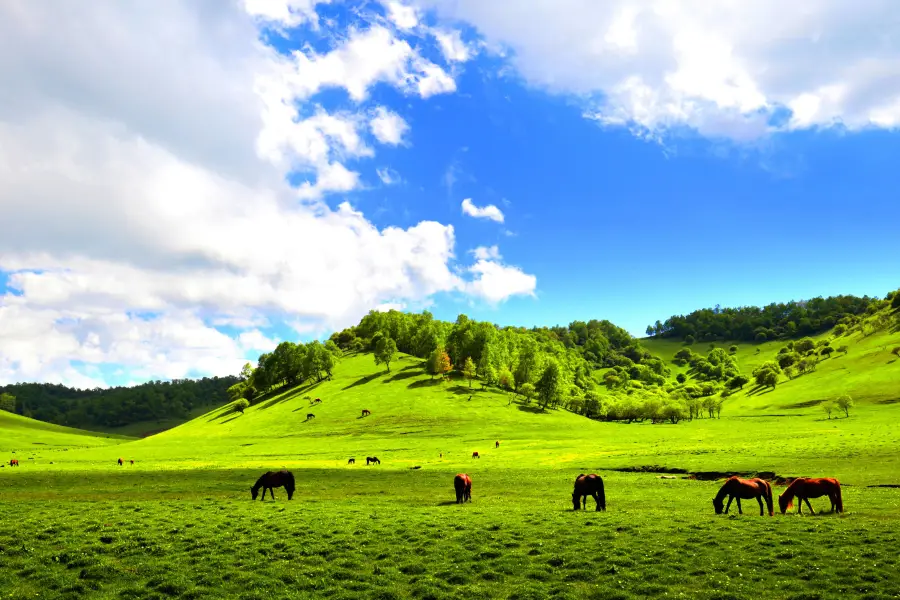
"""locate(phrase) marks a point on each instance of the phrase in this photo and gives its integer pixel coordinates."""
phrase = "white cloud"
(482, 212)
(402, 15)
(720, 68)
(486, 253)
(388, 127)
(284, 13)
(143, 199)
(496, 282)
(452, 46)
(388, 176)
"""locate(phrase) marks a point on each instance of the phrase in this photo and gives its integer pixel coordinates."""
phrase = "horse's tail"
(769, 501)
(601, 494)
(838, 500)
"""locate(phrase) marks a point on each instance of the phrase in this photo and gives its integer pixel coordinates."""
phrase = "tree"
(895, 351)
(505, 379)
(689, 340)
(828, 407)
(826, 351)
(439, 362)
(843, 349)
(845, 403)
(895, 300)
(7, 402)
(488, 376)
(247, 371)
(760, 338)
(733, 350)
(241, 404)
(839, 330)
(738, 381)
(385, 352)
(789, 371)
(527, 390)
(770, 379)
(804, 345)
(548, 386)
(681, 378)
(469, 370)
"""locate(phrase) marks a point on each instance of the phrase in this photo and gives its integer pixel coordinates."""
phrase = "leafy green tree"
(7, 402)
(845, 403)
(439, 362)
(689, 340)
(548, 386)
(733, 349)
(843, 349)
(895, 300)
(790, 371)
(770, 379)
(527, 390)
(488, 376)
(839, 330)
(469, 370)
(760, 338)
(826, 351)
(247, 372)
(528, 361)
(241, 404)
(738, 381)
(787, 359)
(804, 345)
(681, 378)
(828, 407)
(506, 379)
(385, 352)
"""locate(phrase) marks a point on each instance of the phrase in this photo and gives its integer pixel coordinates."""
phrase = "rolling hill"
(23, 435)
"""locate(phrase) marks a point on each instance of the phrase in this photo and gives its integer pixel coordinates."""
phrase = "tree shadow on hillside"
(363, 380)
(223, 411)
(759, 390)
(424, 383)
(461, 390)
(805, 403)
(290, 394)
(417, 365)
(231, 419)
(400, 376)
(531, 408)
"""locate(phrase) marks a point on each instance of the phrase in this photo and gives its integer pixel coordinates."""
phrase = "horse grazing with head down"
(737, 488)
(274, 479)
(372, 459)
(476, 455)
(14, 462)
(808, 487)
(121, 462)
(588, 485)
(462, 483)
(366, 412)
(352, 461)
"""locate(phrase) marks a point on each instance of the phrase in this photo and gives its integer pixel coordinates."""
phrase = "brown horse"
(366, 412)
(310, 416)
(737, 488)
(588, 485)
(808, 487)
(476, 455)
(14, 462)
(372, 459)
(462, 483)
(352, 461)
(121, 462)
(274, 479)
(497, 444)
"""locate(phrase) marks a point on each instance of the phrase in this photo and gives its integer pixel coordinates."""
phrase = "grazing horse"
(132, 461)
(274, 479)
(14, 462)
(737, 488)
(497, 444)
(366, 412)
(352, 461)
(316, 401)
(476, 455)
(121, 462)
(588, 485)
(462, 483)
(809, 487)
(310, 416)
(372, 459)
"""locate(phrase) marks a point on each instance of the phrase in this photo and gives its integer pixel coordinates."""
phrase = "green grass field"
(179, 522)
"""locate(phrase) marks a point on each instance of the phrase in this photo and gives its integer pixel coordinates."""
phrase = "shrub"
(681, 377)
(733, 349)
(828, 407)
(761, 337)
(241, 404)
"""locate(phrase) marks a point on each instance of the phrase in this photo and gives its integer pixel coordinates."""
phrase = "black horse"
(588, 485)
(310, 416)
(352, 461)
(372, 459)
(274, 479)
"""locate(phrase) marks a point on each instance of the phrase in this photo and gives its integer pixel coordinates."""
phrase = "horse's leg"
(597, 500)
(761, 511)
(740, 510)
(727, 506)
(810, 506)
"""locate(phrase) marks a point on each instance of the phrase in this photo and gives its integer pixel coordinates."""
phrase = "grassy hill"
(23, 435)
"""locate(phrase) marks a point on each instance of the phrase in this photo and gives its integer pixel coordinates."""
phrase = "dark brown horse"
(310, 416)
(808, 487)
(462, 483)
(737, 488)
(497, 444)
(274, 479)
(14, 462)
(352, 461)
(366, 412)
(372, 459)
(476, 455)
(121, 462)
(588, 485)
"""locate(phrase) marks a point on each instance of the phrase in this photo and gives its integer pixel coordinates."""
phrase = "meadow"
(179, 523)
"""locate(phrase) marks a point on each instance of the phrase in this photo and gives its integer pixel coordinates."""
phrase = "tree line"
(114, 407)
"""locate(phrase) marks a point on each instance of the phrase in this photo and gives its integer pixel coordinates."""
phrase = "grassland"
(28, 436)
(180, 523)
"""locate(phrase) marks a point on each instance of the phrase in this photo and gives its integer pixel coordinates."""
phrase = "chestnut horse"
(808, 487)
(737, 488)
(497, 444)
(476, 455)
(588, 485)
(14, 462)
(462, 483)
(274, 479)
(121, 462)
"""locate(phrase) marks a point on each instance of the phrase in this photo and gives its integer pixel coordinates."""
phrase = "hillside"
(28, 436)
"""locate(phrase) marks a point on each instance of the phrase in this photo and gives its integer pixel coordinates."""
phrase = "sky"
(184, 184)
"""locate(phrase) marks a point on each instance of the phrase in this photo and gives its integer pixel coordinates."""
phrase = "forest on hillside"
(771, 322)
(114, 407)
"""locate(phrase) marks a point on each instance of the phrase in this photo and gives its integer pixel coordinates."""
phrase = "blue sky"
(289, 165)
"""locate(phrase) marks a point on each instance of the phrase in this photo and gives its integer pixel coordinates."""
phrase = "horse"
(310, 416)
(132, 461)
(352, 461)
(14, 462)
(372, 459)
(366, 412)
(737, 488)
(316, 401)
(462, 483)
(809, 487)
(588, 485)
(121, 462)
(497, 444)
(476, 455)
(274, 479)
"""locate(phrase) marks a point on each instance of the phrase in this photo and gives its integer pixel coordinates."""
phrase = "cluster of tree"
(775, 321)
(655, 404)
(288, 364)
(114, 407)
(717, 365)
(844, 403)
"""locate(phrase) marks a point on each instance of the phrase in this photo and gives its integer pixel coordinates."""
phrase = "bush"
(895, 301)
(681, 377)
(241, 404)
(689, 340)
(761, 337)
(733, 350)
(828, 407)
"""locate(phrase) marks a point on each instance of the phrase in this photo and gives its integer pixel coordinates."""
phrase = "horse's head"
(254, 492)
(576, 501)
(718, 505)
(785, 503)
(290, 492)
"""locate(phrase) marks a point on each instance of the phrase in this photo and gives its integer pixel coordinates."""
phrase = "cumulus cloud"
(144, 200)
(723, 69)
(388, 176)
(388, 127)
(452, 46)
(482, 212)
(402, 15)
(496, 282)
(486, 253)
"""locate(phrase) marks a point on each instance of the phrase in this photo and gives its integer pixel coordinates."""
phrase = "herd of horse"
(802, 488)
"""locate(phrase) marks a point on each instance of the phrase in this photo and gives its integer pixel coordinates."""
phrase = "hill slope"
(23, 435)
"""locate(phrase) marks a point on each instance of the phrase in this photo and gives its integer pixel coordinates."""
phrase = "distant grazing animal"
(809, 487)
(366, 412)
(310, 416)
(476, 455)
(462, 483)
(442, 455)
(372, 459)
(274, 479)
(316, 401)
(748, 489)
(497, 444)
(588, 485)
(132, 461)
(120, 462)
(352, 461)
(14, 462)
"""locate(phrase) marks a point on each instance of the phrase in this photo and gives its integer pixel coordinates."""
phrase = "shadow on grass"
(447, 503)
(363, 380)
(285, 394)
(806, 404)
(402, 375)
(231, 419)
(531, 408)
(424, 383)
(461, 390)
